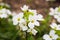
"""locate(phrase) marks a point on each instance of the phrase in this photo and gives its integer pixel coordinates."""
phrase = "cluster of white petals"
(27, 21)
(50, 36)
(55, 13)
(4, 13)
(55, 26)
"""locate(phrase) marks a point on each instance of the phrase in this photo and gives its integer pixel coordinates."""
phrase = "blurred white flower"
(32, 31)
(39, 17)
(4, 4)
(4, 13)
(55, 26)
(51, 36)
(33, 22)
(23, 26)
(33, 11)
(18, 18)
(55, 13)
(24, 8)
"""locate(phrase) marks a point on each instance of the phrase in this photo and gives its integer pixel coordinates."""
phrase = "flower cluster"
(27, 20)
(52, 35)
(55, 13)
(4, 13)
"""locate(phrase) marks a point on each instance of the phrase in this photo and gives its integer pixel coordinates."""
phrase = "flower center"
(32, 21)
(18, 19)
(55, 28)
(51, 37)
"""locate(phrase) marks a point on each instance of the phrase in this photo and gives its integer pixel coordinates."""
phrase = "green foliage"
(7, 29)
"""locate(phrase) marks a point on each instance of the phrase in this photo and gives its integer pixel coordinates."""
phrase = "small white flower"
(32, 22)
(33, 11)
(24, 8)
(33, 31)
(39, 17)
(23, 26)
(4, 4)
(55, 26)
(4, 13)
(53, 11)
(58, 19)
(51, 36)
(18, 18)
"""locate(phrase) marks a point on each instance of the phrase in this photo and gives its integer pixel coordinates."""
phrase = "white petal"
(21, 21)
(55, 36)
(24, 28)
(51, 13)
(58, 27)
(56, 16)
(34, 31)
(51, 9)
(20, 14)
(8, 12)
(30, 17)
(15, 23)
(46, 37)
(36, 23)
(52, 32)
(31, 25)
(24, 8)
(4, 16)
(33, 11)
(53, 25)
(58, 20)
(29, 30)
(40, 17)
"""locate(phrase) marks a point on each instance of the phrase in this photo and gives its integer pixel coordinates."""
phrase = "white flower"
(18, 18)
(23, 26)
(58, 19)
(3, 4)
(4, 13)
(24, 8)
(55, 26)
(33, 31)
(39, 17)
(33, 11)
(53, 11)
(51, 36)
(33, 22)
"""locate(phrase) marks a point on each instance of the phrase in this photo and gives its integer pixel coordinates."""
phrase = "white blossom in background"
(4, 4)
(18, 18)
(4, 13)
(33, 11)
(24, 8)
(32, 31)
(55, 26)
(50, 36)
(39, 17)
(55, 13)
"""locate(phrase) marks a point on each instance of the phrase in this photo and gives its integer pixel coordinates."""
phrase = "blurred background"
(40, 5)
